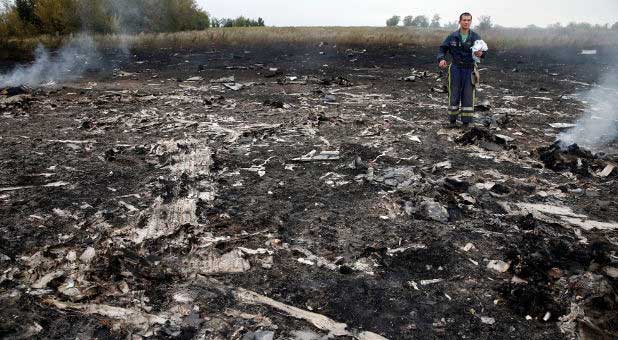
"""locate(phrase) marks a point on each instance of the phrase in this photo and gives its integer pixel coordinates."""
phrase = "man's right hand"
(443, 64)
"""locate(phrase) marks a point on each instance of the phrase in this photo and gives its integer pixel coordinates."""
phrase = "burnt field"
(305, 193)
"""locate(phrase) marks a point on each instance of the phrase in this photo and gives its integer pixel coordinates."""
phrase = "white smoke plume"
(598, 127)
(79, 54)
(70, 62)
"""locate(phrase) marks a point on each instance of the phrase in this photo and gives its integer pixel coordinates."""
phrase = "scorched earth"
(285, 193)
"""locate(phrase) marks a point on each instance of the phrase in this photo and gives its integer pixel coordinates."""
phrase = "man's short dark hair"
(465, 14)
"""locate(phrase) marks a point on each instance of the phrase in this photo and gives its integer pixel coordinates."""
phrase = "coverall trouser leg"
(461, 94)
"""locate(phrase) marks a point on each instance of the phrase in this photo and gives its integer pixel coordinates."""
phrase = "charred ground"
(166, 196)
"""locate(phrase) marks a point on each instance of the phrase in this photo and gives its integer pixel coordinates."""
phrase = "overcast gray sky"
(515, 13)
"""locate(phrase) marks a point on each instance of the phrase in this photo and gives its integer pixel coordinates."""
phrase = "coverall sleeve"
(444, 48)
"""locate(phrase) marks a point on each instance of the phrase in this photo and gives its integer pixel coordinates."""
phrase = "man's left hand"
(478, 53)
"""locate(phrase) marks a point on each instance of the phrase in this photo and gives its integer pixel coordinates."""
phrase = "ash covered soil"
(317, 194)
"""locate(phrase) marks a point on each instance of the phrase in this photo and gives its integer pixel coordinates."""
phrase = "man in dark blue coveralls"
(460, 87)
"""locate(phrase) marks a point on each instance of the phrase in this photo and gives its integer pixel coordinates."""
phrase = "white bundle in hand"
(479, 45)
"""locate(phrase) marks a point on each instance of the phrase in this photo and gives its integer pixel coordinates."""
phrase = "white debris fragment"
(518, 280)
(47, 278)
(71, 256)
(320, 321)
(183, 297)
(211, 263)
(607, 171)
(87, 255)
(562, 125)
(505, 138)
(123, 286)
(48, 185)
(258, 251)
(547, 316)
(498, 265)
(443, 165)
(364, 265)
(529, 208)
(469, 246)
(430, 282)
(369, 336)
(487, 320)
(234, 86)
(557, 214)
(588, 52)
(468, 198)
(611, 272)
(322, 156)
(305, 261)
(129, 207)
(414, 138)
(166, 218)
(229, 79)
(131, 316)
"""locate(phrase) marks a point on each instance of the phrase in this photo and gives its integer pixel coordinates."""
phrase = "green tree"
(58, 16)
(20, 18)
(420, 21)
(95, 16)
(615, 26)
(25, 9)
(435, 21)
(393, 21)
(241, 21)
(485, 23)
(407, 20)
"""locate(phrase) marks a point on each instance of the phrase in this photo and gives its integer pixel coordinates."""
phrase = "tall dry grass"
(343, 36)
(366, 36)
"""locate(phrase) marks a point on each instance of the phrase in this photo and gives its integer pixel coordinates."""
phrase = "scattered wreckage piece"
(396, 177)
(16, 101)
(486, 140)
(224, 80)
(557, 214)
(608, 170)
(321, 322)
(483, 106)
(139, 319)
(314, 156)
(15, 90)
(559, 157)
(562, 125)
(210, 263)
(48, 185)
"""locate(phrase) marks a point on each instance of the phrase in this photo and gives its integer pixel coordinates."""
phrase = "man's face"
(465, 22)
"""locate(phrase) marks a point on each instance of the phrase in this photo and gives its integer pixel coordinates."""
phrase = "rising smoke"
(70, 62)
(80, 53)
(599, 124)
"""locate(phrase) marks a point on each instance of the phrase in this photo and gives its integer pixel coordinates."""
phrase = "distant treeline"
(27, 18)
(238, 22)
(422, 21)
(485, 23)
